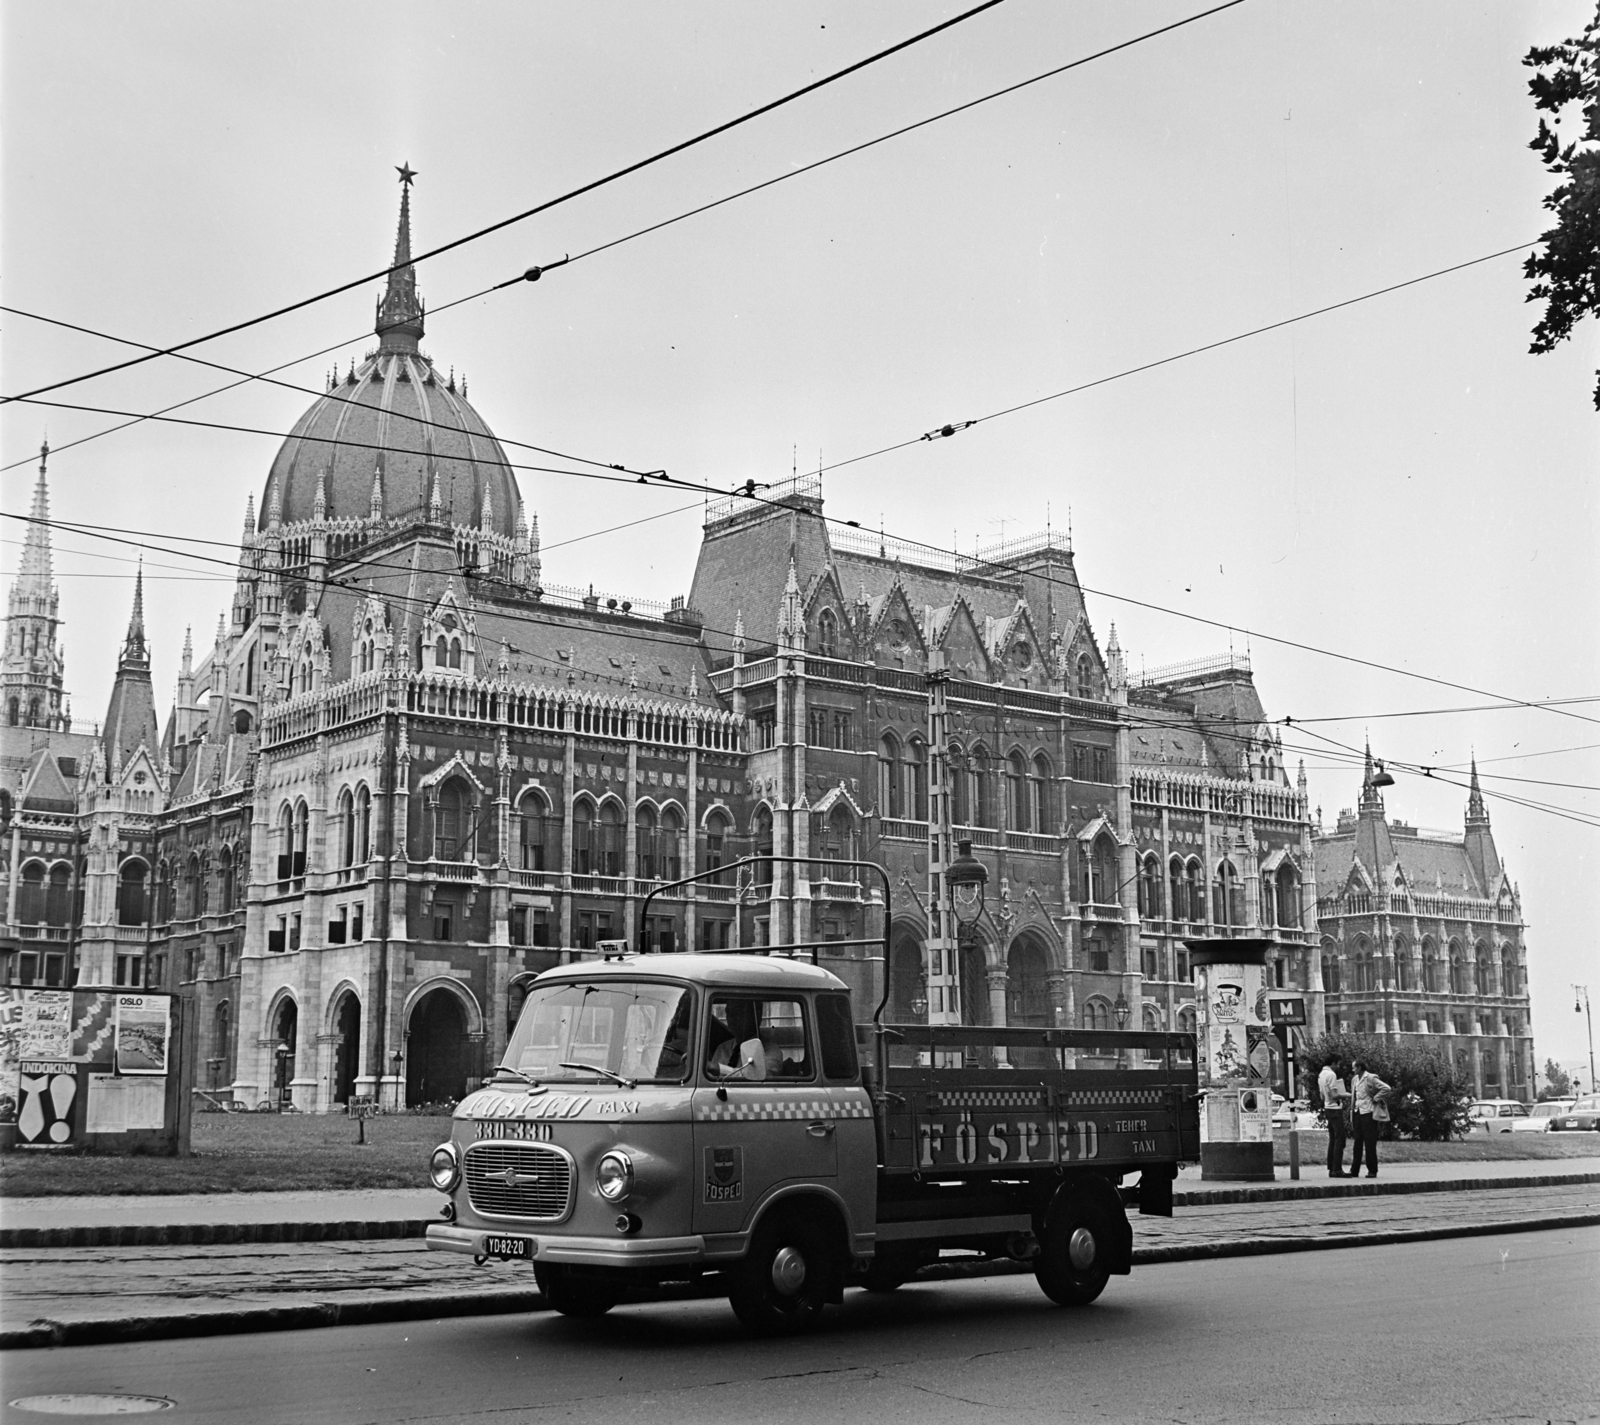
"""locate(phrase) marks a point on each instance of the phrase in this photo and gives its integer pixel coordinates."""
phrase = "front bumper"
(577, 1251)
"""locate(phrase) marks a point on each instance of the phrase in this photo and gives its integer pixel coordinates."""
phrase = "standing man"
(1370, 1093)
(1334, 1103)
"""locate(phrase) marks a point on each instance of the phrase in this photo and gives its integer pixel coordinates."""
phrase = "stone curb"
(1367, 1187)
(373, 1311)
(222, 1234)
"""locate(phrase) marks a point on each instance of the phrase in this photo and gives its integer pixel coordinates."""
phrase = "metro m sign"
(1284, 1011)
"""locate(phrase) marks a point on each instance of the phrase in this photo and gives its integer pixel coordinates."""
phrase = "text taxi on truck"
(660, 1118)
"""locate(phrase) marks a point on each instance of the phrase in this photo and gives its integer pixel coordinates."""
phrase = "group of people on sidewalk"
(1360, 1109)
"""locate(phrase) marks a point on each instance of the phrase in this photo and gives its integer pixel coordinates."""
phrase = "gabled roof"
(43, 786)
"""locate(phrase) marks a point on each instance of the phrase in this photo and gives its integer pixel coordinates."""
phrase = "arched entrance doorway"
(1028, 996)
(436, 1050)
(908, 984)
(347, 1056)
(284, 1030)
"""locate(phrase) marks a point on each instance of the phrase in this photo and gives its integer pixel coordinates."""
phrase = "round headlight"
(613, 1176)
(444, 1167)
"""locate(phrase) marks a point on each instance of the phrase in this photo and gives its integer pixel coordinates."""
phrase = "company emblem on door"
(761, 1117)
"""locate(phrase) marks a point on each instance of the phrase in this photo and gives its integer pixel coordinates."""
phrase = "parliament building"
(408, 775)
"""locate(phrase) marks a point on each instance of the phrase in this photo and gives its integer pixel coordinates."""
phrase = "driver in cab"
(740, 1046)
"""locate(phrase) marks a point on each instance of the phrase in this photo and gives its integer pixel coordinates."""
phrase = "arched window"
(1288, 885)
(299, 830)
(611, 840)
(534, 835)
(1403, 978)
(1177, 889)
(980, 785)
(838, 843)
(1458, 969)
(1040, 812)
(891, 802)
(225, 872)
(30, 899)
(960, 800)
(717, 828)
(1016, 793)
(197, 888)
(1096, 1014)
(1186, 1020)
(827, 634)
(1509, 982)
(347, 825)
(363, 826)
(13, 712)
(585, 852)
(441, 653)
(58, 896)
(1483, 980)
(1227, 906)
(1086, 688)
(763, 847)
(917, 779)
(1103, 871)
(1197, 891)
(646, 866)
(1331, 978)
(669, 845)
(453, 838)
(130, 893)
(1430, 968)
(1027, 986)
(455, 652)
(1150, 888)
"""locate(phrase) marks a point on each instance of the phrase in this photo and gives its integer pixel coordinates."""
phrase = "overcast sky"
(1399, 481)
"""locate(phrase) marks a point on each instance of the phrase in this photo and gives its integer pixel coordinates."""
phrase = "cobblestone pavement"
(78, 1285)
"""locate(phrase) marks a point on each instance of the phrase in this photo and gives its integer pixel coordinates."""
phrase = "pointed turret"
(791, 618)
(1371, 803)
(32, 665)
(400, 312)
(131, 713)
(34, 570)
(186, 669)
(1477, 813)
(376, 509)
(1479, 839)
(248, 540)
(1116, 673)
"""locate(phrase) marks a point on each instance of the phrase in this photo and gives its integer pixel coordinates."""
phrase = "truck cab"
(659, 1118)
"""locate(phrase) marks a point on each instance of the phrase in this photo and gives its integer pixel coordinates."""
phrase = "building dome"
(394, 436)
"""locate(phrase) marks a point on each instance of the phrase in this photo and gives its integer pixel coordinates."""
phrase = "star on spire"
(407, 173)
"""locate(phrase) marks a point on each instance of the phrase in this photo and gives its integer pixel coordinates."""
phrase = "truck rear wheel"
(787, 1277)
(574, 1296)
(1074, 1261)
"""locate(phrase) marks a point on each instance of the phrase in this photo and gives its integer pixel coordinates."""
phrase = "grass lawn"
(1480, 1148)
(245, 1152)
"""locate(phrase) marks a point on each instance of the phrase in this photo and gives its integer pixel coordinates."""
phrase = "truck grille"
(526, 1180)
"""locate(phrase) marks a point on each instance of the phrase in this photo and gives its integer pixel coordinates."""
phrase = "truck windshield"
(639, 1031)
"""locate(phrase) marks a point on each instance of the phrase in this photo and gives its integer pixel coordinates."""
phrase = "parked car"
(1583, 1116)
(1495, 1115)
(1539, 1116)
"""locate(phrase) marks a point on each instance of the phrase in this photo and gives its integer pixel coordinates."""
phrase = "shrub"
(1431, 1095)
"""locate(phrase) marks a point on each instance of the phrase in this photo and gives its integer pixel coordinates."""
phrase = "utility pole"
(1581, 1002)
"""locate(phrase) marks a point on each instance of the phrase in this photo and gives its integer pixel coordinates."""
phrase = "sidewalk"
(75, 1296)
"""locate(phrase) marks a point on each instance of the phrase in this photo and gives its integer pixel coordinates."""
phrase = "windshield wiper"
(526, 1078)
(598, 1069)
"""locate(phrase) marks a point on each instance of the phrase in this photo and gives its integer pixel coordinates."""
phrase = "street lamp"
(1580, 1004)
(1121, 1009)
(966, 877)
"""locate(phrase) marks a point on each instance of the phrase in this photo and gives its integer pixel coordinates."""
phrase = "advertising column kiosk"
(1234, 1052)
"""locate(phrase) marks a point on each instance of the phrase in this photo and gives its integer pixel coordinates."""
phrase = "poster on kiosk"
(1235, 1052)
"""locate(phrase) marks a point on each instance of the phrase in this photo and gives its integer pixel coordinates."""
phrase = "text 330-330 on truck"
(661, 1118)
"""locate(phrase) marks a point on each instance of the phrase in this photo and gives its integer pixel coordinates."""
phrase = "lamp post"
(1120, 1012)
(1580, 1004)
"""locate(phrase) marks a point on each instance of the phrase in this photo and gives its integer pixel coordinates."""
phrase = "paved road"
(69, 1284)
(1480, 1329)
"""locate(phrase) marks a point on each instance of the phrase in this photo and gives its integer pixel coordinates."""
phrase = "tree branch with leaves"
(1565, 270)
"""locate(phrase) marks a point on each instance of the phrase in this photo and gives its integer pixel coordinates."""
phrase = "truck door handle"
(819, 1129)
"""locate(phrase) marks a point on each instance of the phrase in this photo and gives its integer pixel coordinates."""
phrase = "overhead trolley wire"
(527, 213)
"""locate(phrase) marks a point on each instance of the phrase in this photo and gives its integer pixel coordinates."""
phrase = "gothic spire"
(134, 649)
(1476, 811)
(35, 573)
(400, 312)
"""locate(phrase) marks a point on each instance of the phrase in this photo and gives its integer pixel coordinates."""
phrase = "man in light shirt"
(1335, 1098)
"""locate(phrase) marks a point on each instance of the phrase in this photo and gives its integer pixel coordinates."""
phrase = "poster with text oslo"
(143, 1022)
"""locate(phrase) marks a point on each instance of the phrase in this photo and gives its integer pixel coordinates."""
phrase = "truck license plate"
(516, 1247)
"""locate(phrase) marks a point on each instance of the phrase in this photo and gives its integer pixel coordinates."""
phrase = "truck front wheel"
(786, 1278)
(1074, 1258)
(573, 1296)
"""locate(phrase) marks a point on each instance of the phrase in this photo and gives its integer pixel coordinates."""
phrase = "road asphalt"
(199, 1286)
(1496, 1329)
